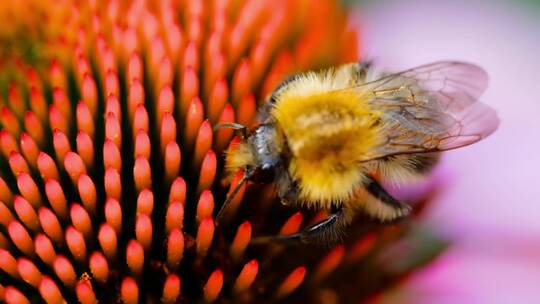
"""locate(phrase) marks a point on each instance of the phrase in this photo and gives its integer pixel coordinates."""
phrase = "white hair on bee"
(381, 211)
(399, 170)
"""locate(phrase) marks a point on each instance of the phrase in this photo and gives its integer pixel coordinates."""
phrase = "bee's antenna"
(233, 125)
(232, 194)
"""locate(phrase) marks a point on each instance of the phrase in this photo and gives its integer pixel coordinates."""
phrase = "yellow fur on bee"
(328, 130)
(239, 156)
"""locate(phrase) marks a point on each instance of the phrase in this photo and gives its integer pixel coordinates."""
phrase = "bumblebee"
(329, 139)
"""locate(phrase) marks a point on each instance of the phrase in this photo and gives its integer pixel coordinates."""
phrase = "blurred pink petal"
(491, 207)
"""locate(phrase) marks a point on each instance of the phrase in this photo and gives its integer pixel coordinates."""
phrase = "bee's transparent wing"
(431, 108)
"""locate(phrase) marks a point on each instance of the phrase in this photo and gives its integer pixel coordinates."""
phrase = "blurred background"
(491, 209)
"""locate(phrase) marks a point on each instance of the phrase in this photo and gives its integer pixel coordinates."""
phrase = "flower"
(112, 172)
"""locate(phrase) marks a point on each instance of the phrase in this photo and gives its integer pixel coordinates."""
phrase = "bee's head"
(258, 152)
(255, 153)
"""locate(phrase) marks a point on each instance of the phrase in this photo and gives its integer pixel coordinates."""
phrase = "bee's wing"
(430, 108)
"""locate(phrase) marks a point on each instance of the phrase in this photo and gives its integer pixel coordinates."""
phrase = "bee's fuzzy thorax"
(328, 130)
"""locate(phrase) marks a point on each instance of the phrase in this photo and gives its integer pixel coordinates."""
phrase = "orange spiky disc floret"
(110, 174)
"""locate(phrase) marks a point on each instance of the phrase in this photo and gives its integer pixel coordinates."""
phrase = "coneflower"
(111, 174)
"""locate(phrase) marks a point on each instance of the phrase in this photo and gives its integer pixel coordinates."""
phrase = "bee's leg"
(384, 206)
(361, 69)
(232, 194)
(327, 231)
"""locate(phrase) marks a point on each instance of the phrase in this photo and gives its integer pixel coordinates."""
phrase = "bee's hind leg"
(328, 231)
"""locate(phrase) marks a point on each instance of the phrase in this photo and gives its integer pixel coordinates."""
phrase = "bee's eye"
(264, 175)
